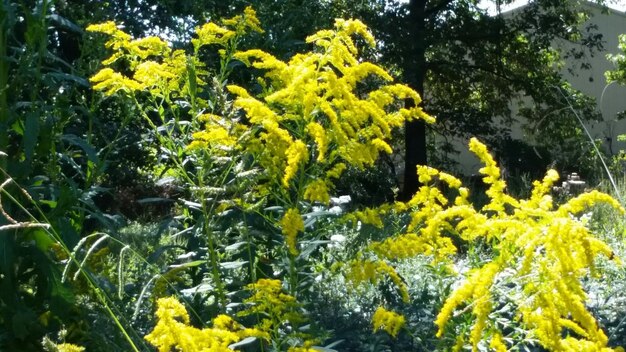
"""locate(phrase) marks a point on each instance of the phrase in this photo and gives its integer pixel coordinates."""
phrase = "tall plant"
(268, 156)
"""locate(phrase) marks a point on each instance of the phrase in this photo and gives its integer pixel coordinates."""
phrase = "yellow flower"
(251, 20)
(291, 224)
(172, 331)
(336, 171)
(150, 73)
(68, 347)
(297, 154)
(108, 27)
(497, 344)
(389, 321)
(319, 135)
(148, 46)
(112, 82)
(317, 191)
(210, 33)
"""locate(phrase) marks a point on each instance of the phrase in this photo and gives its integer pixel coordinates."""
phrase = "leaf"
(90, 151)
(61, 76)
(153, 257)
(64, 23)
(202, 288)
(193, 84)
(189, 264)
(233, 265)
(246, 341)
(31, 134)
(42, 239)
(333, 344)
(152, 200)
(235, 246)
(192, 205)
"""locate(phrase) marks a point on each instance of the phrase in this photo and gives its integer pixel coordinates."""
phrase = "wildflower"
(68, 347)
(112, 82)
(297, 153)
(336, 171)
(291, 224)
(148, 46)
(173, 332)
(215, 136)
(319, 135)
(150, 73)
(389, 321)
(211, 33)
(251, 19)
(497, 344)
(317, 191)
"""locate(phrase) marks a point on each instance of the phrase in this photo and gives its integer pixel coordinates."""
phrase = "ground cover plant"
(256, 250)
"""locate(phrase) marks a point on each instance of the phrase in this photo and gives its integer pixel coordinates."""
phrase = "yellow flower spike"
(317, 191)
(316, 131)
(251, 20)
(239, 91)
(172, 331)
(497, 344)
(585, 200)
(108, 27)
(336, 171)
(68, 347)
(387, 320)
(262, 60)
(150, 73)
(111, 82)
(211, 33)
(475, 286)
(297, 154)
(148, 46)
(291, 224)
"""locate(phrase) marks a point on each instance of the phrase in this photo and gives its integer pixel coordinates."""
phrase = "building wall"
(610, 99)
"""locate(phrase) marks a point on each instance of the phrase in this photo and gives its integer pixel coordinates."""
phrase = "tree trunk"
(414, 73)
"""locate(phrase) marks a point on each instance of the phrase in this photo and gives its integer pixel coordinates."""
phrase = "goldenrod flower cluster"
(173, 332)
(547, 250)
(277, 308)
(68, 347)
(155, 66)
(311, 118)
(291, 224)
(310, 110)
(387, 320)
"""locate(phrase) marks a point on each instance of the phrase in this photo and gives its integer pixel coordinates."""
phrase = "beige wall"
(610, 98)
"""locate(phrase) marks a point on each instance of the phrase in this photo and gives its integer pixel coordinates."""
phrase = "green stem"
(4, 78)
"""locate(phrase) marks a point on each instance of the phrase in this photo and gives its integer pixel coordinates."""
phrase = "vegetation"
(230, 188)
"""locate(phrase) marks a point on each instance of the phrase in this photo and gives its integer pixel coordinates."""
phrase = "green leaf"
(246, 341)
(152, 200)
(31, 134)
(189, 264)
(90, 151)
(233, 265)
(202, 288)
(235, 246)
(64, 23)
(43, 240)
(61, 76)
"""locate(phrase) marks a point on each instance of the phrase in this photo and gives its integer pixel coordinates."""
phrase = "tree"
(468, 65)
(471, 66)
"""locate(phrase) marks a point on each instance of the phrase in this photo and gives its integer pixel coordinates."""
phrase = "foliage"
(313, 116)
(529, 262)
(475, 68)
(247, 152)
